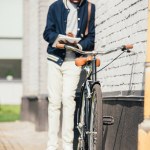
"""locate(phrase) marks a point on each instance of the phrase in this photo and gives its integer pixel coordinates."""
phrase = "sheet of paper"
(65, 38)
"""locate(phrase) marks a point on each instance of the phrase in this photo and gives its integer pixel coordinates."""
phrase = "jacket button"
(78, 29)
(78, 18)
(82, 35)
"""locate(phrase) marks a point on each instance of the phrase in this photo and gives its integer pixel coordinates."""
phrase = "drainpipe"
(144, 127)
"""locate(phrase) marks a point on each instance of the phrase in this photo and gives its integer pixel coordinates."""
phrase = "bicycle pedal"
(108, 120)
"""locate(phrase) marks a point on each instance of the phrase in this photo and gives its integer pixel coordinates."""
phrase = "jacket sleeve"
(50, 33)
(88, 42)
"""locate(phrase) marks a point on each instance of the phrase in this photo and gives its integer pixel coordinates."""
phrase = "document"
(65, 38)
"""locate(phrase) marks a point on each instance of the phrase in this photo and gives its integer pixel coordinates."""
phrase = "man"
(67, 17)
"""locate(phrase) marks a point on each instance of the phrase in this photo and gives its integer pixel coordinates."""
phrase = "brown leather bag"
(89, 16)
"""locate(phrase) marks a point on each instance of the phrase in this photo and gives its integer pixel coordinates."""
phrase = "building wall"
(11, 29)
(43, 10)
(30, 65)
(121, 22)
(11, 92)
(11, 18)
(11, 34)
(118, 22)
(35, 62)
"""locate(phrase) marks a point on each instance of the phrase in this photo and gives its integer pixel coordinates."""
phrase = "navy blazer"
(56, 24)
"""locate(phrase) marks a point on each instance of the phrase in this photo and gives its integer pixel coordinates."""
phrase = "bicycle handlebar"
(94, 53)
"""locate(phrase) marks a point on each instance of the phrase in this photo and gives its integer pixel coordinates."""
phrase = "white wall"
(11, 12)
(11, 18)
(10, 49)
(10, 92)
(11, 33)
(121, 22)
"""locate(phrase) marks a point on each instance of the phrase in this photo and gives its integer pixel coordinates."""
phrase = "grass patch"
(9, 113)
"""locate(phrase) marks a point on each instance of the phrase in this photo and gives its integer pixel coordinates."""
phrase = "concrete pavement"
(21, 136)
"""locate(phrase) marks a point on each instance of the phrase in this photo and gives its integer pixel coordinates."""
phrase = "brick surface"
(121, 22)
(118, 22)
(22, 136)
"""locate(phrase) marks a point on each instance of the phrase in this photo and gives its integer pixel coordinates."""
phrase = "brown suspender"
(89, 15)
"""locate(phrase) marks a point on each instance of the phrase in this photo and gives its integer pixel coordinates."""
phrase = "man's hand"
(61, 44)
(70, 34)
(71, 44)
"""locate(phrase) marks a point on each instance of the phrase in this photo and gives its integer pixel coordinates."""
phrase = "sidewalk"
(21, 136)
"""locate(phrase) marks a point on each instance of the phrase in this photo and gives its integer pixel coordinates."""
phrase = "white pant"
(62, 84)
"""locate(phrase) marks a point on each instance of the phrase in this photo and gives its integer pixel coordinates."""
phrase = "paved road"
(21, 136)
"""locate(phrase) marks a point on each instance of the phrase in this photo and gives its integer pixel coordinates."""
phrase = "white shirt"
(72, 21)
(72, 25)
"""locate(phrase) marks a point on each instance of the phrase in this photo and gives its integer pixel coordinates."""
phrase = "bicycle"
(90, 119)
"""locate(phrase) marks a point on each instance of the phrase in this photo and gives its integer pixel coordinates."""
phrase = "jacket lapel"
(64, 15)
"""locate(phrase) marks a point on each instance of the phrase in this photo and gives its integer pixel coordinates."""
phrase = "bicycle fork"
(82, 128)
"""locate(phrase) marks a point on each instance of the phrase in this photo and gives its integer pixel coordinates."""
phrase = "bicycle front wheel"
(96, 119)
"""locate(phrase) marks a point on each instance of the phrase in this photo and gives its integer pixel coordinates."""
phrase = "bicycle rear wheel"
(96, 120)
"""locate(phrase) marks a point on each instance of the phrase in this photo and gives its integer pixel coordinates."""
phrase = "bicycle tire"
(96, 119)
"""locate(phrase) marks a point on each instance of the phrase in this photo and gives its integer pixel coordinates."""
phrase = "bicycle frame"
(91, 79)
(94, 75)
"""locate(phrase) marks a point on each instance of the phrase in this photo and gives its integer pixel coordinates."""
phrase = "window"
(10, 69)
